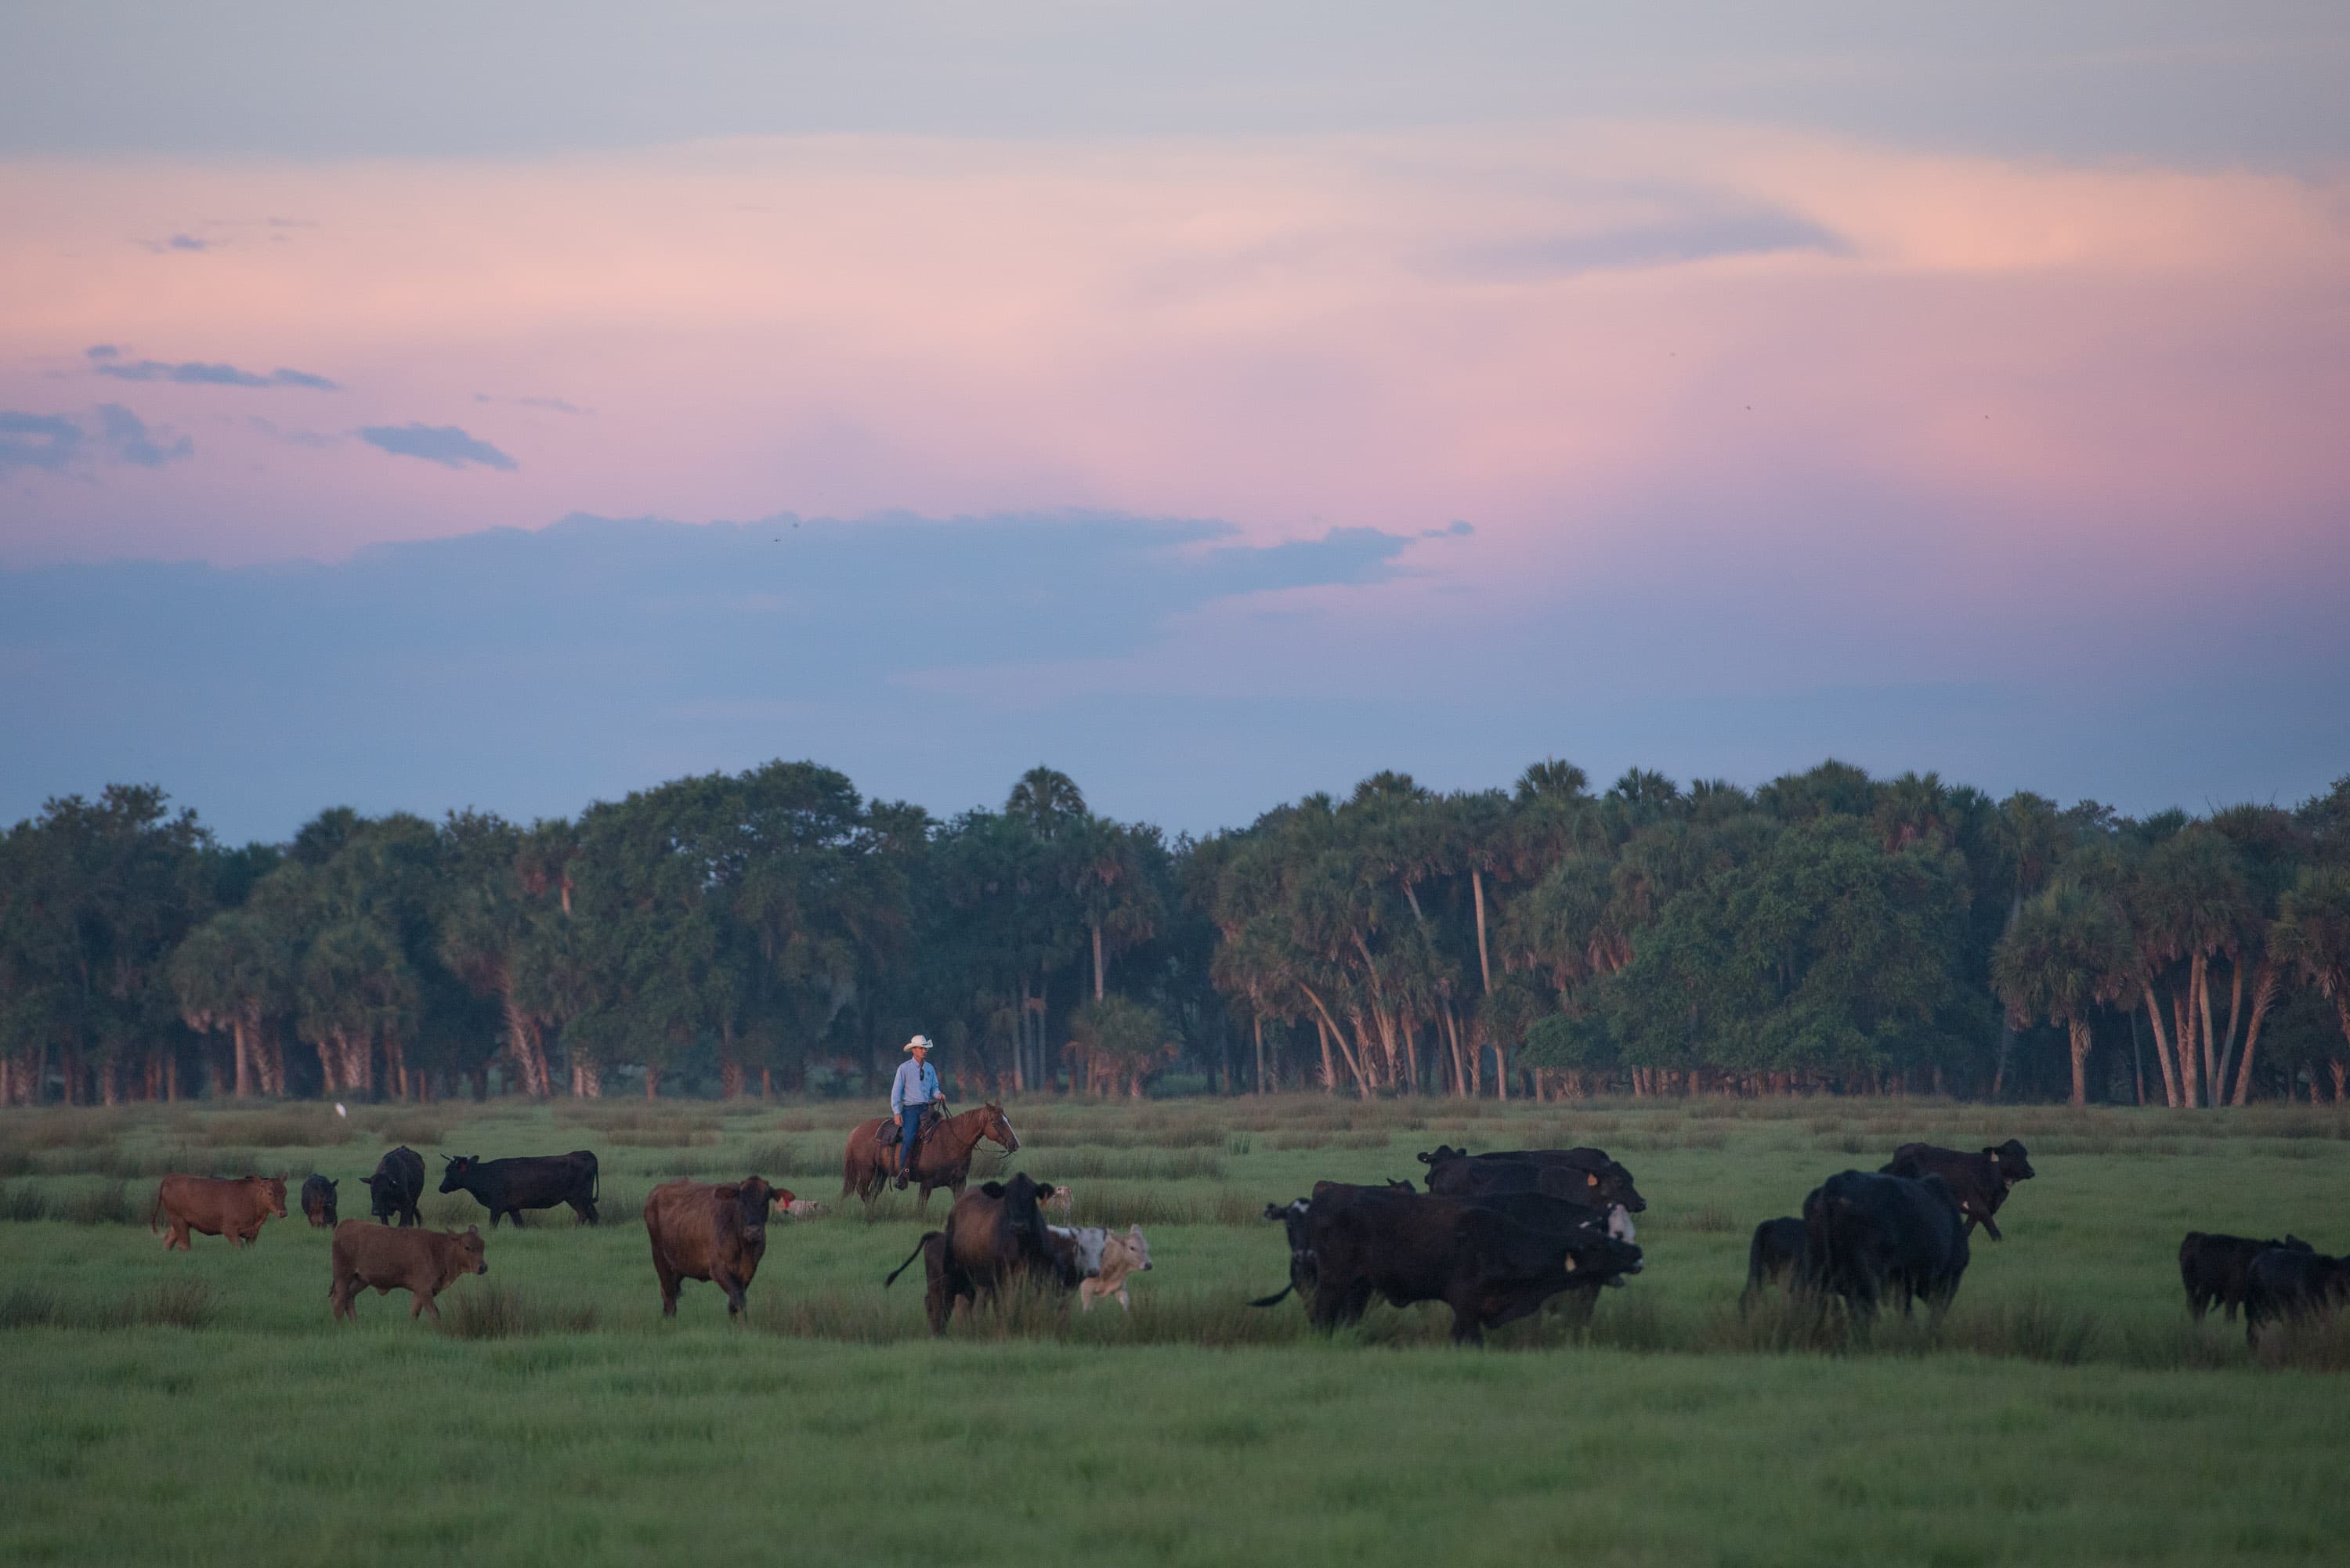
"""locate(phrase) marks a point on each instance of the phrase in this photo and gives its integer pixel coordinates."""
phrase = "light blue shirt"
(917, 1083)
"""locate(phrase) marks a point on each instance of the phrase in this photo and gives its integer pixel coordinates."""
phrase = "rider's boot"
(901, 1173)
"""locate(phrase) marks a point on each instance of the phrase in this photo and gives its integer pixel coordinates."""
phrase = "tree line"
(774, 930)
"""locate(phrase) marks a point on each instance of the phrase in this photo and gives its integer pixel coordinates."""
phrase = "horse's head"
(999, 1127)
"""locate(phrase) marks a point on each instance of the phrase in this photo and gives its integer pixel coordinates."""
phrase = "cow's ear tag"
(1570, 1261)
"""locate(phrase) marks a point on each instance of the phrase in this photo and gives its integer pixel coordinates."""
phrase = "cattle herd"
(1496, 1237)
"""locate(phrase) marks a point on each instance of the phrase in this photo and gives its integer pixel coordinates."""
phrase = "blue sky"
(1217, 402)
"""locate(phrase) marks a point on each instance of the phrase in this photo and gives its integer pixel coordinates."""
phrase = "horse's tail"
(928, 1237)
(1275, 1298)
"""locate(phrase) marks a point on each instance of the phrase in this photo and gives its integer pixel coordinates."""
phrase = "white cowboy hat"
(918, 1043)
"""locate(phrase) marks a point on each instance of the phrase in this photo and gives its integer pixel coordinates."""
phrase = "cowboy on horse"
(915, 1100)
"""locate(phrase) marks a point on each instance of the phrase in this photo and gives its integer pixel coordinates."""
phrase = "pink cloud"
(2123, 362)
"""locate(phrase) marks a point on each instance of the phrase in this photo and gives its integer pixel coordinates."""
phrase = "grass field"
(197, 1409)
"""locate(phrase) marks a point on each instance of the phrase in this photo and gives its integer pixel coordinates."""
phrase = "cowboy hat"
(918, 1043)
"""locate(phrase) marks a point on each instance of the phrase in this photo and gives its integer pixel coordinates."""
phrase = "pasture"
(202, 1408)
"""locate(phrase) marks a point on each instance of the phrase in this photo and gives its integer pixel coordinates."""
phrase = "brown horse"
(942, 1159)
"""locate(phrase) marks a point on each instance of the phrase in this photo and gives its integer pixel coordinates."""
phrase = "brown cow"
(422, 1262)
(993, 1236)
(704, 1232)
(216, 1206)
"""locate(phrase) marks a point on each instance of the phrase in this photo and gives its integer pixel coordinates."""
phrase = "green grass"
(202, 1408)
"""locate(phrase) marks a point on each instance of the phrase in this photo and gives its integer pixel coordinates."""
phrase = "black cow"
(1491, 1270)
(994, 1235)
(2284, 1285)
(1578, 1175)
(507, 1186)
(397, 1184)
(1978, 1181)
(318, 1202)
(1775, 1255)
(1865, 1235)
(2215, 1268)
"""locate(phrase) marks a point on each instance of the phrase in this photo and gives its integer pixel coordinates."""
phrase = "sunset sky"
(1218, 402)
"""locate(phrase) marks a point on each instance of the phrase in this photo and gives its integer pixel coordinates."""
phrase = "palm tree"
(232, 973)
(2313, 934)
(2067, 954)
(1047, 800)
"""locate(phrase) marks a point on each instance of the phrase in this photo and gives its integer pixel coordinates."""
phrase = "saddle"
(886, 1135)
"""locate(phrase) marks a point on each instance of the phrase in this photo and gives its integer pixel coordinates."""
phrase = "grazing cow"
(422, 1262)
(2216, 1268)
(805, 1207)
(2285, 1285)
(993, 1235)
(1865, 1234)
(1358, 1242)
(397, 1184)
(318, 1202)
(1774, 1256)
(704, 1232)
(507, 1186)
(1581, 1174)
(216, 1207)
(1123, 1255)
(1978, 1181)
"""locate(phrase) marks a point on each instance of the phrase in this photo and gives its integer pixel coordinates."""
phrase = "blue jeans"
(907, 1134)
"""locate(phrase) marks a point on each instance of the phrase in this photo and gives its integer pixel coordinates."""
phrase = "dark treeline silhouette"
(774, 930)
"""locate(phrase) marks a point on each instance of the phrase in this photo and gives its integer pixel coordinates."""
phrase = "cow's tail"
(153, 1209)
(1275, 1298)
(595, 1181)
(928, 1236)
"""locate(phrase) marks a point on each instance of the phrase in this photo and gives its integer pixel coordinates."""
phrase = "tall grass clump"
(173, 1304)
(285, 1127)
(23, 1205)
(501, 1312)
(108, 1203)
(2032, 1328)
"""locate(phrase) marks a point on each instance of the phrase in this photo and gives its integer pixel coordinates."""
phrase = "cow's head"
(1136, 1250)
(461, 1165)
(1619, 1224)
(1601, 1184)
(273, 1193)
(1593, 1256)
(2011, 1164)
(1296, 1219)
(1441, 1154)
(1078, 1250)
(470, 1251)
(745, 1206)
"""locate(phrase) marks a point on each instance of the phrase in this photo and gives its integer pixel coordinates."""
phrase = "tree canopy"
(1826, 932)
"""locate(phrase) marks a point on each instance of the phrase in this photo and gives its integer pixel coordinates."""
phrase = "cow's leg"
(668, 1285)
(515, 1214)
(1124, 1305)
(1990, 1226)
(424, 1303)
(1465, 1328)
(736, 1303)
(178, 1237)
